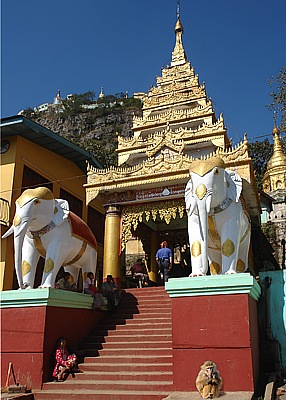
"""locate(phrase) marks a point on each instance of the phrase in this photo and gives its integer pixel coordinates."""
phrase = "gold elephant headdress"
(41, 193)
(201, 167)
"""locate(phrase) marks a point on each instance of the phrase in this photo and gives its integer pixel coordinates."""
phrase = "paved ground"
(196, 396)
(281, 395)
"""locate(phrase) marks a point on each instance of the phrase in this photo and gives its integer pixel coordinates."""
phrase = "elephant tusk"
(9, 232)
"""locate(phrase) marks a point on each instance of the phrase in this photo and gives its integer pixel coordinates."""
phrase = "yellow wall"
(62, 172)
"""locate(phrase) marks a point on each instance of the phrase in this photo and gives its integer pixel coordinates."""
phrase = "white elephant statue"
(218, 224)
(44, 226)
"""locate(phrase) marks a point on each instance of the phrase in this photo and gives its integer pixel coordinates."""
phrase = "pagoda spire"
(178, 55)
(278, 158)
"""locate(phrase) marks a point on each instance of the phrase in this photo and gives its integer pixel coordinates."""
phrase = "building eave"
(30, 130)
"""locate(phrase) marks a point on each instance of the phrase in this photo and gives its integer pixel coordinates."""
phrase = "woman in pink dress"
(65, 362)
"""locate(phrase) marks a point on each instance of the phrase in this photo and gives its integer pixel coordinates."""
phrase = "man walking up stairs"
(129, 354)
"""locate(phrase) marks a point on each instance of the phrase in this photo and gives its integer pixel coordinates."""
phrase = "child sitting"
(65, 363)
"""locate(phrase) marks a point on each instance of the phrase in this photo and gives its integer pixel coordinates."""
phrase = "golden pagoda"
(274, 180)
(144, 194)
(177, 115)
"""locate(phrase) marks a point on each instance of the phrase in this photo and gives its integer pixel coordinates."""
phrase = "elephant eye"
(37, 201)
(216, 170)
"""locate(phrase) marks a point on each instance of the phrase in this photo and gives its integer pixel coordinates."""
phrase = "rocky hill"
(93, 129)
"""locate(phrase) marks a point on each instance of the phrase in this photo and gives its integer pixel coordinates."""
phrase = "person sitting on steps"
(65, 363)
(110, 290)
(89, 288)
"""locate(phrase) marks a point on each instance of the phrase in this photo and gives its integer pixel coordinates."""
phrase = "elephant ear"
(61, 211)
(189, 198)
(234, 185)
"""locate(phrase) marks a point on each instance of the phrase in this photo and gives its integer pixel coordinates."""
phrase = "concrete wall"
(32, 321)
(277, 291)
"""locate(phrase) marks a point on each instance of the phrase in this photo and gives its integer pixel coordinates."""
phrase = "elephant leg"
(230, 247)
(196, 250)
(242, 262)
(55, 258)
(215, 261)
(30, 258)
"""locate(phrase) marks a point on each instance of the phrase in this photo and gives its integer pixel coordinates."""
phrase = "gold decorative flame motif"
(26, 267)
(201, 167)
(228, 248)
(240, 266)
(16, 220)
(214, 268)
(201, 191)
(196, 249)
(31, 194)
(49, 265)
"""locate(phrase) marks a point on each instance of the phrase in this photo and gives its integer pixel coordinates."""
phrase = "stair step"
(87, 394)
(135, 352)
(142, 315)
(73, 384)
(148, 330)
(122, 337)
(129, 354)
(126, 358)
(129, 346)
(127, 375)
(126, 367)
(130, 327)
(122, 319)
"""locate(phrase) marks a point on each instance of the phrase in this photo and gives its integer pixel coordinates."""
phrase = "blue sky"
(79, 45)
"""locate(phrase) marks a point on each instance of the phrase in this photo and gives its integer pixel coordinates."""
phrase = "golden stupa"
(274, 180)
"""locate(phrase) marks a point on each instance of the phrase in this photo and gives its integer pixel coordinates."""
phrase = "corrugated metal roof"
(30, 130)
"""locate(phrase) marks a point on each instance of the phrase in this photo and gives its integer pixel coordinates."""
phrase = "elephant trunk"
(19, 235)
(203, 209)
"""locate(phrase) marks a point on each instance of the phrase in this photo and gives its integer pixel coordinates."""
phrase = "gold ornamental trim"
(172, 115)
(240, 266)
(26, 267)
(49, 265)
(228, 248)
(79, 254)
(156, 171)
(201, 191)
(165, 210)
(196, 249)
(190, 136)
(214, 268)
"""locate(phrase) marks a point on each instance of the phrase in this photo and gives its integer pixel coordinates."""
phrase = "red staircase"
(129, 353)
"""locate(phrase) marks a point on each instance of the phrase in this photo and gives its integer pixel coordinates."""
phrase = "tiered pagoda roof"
(175, 110)
(178, 125)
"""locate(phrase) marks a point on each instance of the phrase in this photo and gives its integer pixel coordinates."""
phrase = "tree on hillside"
(278, 96)
(74, 104)
(260, 153)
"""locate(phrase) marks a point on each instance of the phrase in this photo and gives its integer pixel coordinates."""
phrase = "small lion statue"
(209, 381)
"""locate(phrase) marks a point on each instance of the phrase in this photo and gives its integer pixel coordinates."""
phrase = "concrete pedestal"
(32, 321)
(215, 318)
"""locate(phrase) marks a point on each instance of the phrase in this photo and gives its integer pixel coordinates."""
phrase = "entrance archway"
(154, 222)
